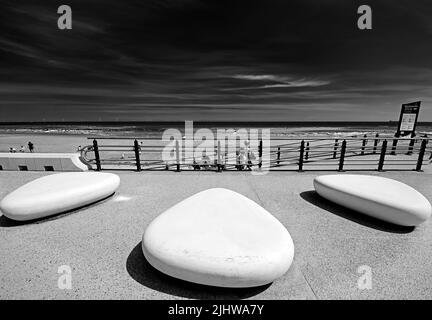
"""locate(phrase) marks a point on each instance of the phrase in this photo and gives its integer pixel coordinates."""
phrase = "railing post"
(302, 148)
(342, 155)
(260, 150)
(307, 151)
(137, 155)
(430, 157)
(219, 156)
(421, 155)
(97, 157)
(335, 148)
(375, 143)
(382, 156)
(394, 145)
(411, 146)
(363, 144)
(278, 156)
(177, 151)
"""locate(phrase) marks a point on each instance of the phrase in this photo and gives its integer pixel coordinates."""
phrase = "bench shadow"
(141, 271)
(5, 222)
(314, 198)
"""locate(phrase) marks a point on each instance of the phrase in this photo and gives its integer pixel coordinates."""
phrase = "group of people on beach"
(22, 148)
(244, 157)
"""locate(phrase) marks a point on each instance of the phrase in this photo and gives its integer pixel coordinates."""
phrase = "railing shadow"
(141, 271)
(314, 198)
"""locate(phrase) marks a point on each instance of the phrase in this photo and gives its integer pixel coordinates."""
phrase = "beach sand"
(102, 243)
(43, 142)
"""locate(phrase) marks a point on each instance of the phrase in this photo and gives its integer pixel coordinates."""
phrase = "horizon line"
(196, 121)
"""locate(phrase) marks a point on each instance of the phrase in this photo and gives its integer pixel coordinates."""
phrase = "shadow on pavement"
(5, 222)
(314, 198)
(142, 272)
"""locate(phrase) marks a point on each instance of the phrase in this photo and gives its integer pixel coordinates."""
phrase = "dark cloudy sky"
(214, 60)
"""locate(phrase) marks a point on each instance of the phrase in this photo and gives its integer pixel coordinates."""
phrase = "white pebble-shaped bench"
(58, 193)
(220, 238)
(378, 197)
(42, 162)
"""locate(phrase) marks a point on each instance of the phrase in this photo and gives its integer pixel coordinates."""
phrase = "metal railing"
(290, 154)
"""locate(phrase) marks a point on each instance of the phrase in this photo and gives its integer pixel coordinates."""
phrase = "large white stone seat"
(57, 193)
(220, 238)
(379, 197)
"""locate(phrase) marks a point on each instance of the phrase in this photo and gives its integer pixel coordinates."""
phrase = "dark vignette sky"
(214, 60)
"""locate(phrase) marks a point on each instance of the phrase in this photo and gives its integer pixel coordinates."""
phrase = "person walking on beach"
(31, 146)
(205, 161)
(240, 159)
(249, 154)
(195, 165)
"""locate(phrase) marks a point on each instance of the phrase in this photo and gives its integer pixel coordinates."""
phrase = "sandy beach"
(43, 142)
(101, 243)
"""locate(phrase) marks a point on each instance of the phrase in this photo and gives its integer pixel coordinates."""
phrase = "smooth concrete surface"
(42, 162)
(221, 238)
(57, 193)
(102, 244)
(382, 198)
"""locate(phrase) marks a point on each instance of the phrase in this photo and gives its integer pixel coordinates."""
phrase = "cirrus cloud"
(278, 81)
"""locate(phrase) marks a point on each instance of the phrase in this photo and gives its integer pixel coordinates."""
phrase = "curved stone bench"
(219, 237)
(57, 193)
(42, 162)
(382, 198)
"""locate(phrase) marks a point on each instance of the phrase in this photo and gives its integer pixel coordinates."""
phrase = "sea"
(155, 129)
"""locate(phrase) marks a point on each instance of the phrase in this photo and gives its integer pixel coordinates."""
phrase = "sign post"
(407, 123)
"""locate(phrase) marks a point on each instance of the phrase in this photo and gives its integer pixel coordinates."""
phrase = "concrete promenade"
(102, 243)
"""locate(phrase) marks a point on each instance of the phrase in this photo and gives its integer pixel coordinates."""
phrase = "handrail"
(272, 138)
(300, 154)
